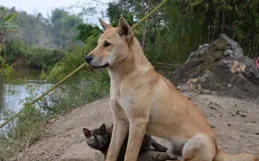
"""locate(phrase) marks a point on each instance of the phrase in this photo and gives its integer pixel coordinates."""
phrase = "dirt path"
(235, 121)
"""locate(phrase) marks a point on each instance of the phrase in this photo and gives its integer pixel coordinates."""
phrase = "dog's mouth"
(103, 66)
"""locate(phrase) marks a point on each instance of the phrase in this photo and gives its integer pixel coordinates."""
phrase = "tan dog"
(142, 101)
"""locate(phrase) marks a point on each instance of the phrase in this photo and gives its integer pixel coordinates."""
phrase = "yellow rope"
(78, 68)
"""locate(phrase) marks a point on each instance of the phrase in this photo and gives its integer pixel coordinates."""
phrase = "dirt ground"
(235, 121)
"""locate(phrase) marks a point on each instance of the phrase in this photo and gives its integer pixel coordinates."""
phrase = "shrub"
(43, 58)
(35, 57)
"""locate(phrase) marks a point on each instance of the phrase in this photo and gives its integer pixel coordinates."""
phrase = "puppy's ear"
(103, 128)
(104, 25)
(87, 132)
(123, 27)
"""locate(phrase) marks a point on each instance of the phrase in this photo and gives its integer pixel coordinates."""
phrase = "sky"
(45, 6)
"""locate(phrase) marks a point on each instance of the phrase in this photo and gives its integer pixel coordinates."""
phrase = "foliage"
(64, 27)
(16, 49)
(158, 35)
(86, 31)
(34, 30)
(43, 58)
(181, 26)
(35, 57)
(91, 86)
(116, 10)
(27, 130)
(7, 25)
(7, 22)
(238, 19)
(6, 70)
(57, 31)
(29, 127)
(71, 60)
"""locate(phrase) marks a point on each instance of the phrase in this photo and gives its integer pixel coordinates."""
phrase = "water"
(12, 95)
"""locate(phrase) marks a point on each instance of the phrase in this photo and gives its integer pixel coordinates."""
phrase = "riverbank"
(234, 120)
(28, 128)
(13, 93)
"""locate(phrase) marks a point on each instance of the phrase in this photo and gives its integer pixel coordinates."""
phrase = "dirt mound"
(220, 67)
(64, 139)
(234, 120)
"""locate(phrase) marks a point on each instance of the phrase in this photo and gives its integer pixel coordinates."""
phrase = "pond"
(13, 95)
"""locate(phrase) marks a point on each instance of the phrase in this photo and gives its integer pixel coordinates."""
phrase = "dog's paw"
(161, 156)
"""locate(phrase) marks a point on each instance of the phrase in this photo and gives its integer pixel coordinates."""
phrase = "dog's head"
(113, 45)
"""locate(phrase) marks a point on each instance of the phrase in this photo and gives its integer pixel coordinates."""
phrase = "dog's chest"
(124, 91)
(125, 98)
(125, 103)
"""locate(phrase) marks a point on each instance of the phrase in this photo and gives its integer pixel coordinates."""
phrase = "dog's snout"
(88, 59)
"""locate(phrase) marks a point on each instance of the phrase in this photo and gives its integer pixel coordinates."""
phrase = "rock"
(240, 114)
(228, 52)
(238, 51)
(212, 126)
(219, 67)
(81, 152)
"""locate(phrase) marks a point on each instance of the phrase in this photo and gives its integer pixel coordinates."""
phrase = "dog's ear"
(123, 27)
(87, 132)
(103, 128)
(104, 25)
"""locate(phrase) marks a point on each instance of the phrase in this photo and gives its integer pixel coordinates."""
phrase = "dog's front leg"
(136, 133)
(120, 130)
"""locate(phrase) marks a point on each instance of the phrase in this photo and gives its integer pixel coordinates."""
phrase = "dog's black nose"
(88, 59)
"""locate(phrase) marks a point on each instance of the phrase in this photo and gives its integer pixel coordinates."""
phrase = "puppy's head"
(113, 45)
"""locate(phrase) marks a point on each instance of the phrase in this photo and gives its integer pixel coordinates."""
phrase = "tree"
(85, 31)
(7, 24)
(64, 27)
(121, 8)
(174, 31)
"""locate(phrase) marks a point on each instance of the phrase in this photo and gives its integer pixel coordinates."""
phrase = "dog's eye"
(106, 43)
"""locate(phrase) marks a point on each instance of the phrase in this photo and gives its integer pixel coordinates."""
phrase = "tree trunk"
(144, 34)
(1, 42)
(146, 23)
(4, 47)
(223, 19)
(215, 25)
(1, 95)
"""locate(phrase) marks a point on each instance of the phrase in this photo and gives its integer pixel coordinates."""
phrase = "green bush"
(6, 70)
(71, 60)
(15, 49)
(43, 58)
(92, 86)
(26, 131)
(34, 57)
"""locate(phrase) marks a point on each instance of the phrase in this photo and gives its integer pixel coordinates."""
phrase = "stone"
(219, 67)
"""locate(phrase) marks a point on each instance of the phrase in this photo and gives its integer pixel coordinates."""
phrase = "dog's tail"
(222, 156)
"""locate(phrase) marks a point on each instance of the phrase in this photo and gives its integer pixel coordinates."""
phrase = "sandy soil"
(235, 121)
